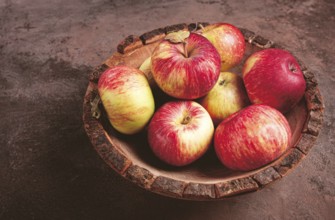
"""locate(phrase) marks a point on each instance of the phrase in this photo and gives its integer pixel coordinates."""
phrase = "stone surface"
(48, 167)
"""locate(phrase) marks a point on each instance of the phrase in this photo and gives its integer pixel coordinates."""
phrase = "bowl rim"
(175, 188)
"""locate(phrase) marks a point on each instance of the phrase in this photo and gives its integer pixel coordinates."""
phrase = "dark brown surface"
(49, 169)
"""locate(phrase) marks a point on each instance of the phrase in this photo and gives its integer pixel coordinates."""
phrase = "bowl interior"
(207, 169)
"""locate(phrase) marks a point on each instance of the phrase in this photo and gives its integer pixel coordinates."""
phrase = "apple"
(146, 69)
(229, 42)
(186, 69)
(273, 77)
(127, 98)
(252, 138)
(180, 132)
(227, 97)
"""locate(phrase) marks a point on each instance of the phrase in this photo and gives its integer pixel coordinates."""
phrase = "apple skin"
(186, 71)
(252, 138)
(229, 42)
(180, 132)
(127, 98)
(227, 97)
(146, 69)
(273, 77)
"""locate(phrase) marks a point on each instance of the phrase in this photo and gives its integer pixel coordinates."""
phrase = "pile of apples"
(241, 116)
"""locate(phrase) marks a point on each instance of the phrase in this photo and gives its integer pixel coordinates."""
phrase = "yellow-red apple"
(229, 42)
(127, 98)
(227, 97)
(180, 132)
(146, 69)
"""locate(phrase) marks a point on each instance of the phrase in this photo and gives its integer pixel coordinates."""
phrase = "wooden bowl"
(207, 178)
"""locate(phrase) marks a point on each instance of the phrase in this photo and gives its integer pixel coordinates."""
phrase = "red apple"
(227, 97)
(252, 138)
(180, 132)
(273, 77)
(127, 98)
(186, 70)
(229, 42)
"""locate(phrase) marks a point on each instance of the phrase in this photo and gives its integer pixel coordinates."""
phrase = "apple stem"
(186, 120)
(292, 68)
(185, 50)
(222, 82)
(201, 27)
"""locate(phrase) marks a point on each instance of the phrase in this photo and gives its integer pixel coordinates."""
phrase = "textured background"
(48, 168)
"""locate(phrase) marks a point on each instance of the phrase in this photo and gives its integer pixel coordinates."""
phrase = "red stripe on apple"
(252, 137)
(273, 77)
(127, 98)
(186, 70)
(175, 130)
